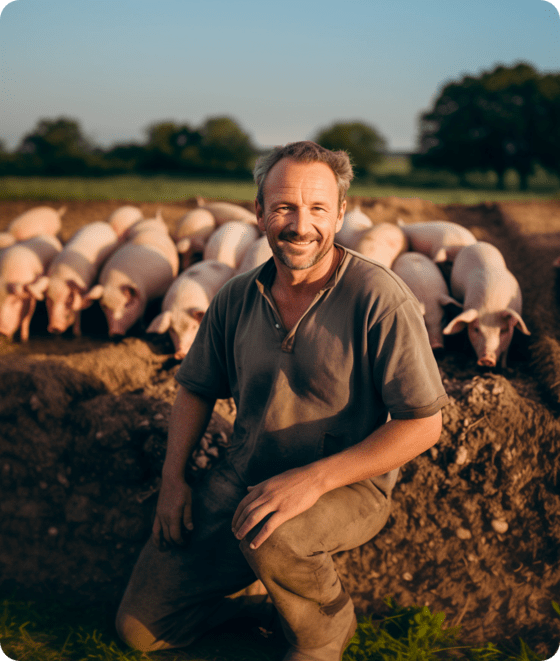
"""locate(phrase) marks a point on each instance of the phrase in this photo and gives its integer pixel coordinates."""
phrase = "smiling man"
(326, 356)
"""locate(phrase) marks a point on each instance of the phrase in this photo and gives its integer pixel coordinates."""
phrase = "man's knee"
(136, 635)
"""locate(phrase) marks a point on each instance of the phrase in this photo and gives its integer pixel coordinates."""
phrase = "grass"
(134, 188)
(61, 633)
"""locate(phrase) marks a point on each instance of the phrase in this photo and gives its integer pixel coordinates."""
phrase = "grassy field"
(30, 633)
(171, 189)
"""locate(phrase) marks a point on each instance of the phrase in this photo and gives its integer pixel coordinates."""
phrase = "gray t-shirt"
(358, 353)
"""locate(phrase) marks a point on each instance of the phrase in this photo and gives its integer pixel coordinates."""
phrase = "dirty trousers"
(174, 596)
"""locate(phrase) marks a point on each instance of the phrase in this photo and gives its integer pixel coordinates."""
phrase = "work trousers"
(176, 595)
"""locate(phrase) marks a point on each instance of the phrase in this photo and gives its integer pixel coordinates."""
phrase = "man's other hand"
(283, 496)
(173, 513)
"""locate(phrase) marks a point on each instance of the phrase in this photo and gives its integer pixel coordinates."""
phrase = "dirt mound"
(475, 528)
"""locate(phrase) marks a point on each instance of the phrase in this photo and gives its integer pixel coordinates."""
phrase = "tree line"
(504, 119)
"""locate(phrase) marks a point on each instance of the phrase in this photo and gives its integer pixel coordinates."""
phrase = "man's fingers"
(252, 515)
(269, 527)
(187, 518)
(242, 507)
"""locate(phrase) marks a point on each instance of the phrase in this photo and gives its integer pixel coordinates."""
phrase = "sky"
(283, 69)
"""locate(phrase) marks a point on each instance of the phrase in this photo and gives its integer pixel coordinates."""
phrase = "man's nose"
(301, 221)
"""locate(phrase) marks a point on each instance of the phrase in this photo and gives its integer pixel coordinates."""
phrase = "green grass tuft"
(61, 632)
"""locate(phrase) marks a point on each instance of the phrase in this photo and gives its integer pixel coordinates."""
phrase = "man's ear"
(259, 212)
(340, 219)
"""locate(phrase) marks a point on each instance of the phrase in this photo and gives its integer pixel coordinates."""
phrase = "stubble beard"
(288, 261)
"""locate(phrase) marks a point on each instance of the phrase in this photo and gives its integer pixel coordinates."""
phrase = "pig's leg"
(26, 319)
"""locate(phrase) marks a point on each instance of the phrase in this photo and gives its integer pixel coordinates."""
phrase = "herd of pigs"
(126, 261)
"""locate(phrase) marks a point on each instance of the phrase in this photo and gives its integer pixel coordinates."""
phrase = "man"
(316, 347)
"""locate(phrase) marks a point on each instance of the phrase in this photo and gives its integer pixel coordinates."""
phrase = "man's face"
(300, 214)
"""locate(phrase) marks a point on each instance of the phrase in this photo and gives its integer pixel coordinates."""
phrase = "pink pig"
(136, 273)
(441, 240)
(123, 218)
(230, 242)
(186, 301)
(427, 283)
(192, 232)
(72, 273)
(259, 252)
(20, 266)
(384, 242)
(491, 302)
(224, 212)
(36, 221)
(356, 222)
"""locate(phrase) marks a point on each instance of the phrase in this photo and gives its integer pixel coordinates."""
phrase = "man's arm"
(189, 418)
(288, 494)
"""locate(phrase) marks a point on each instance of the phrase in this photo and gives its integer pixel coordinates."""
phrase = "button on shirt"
(358, 353)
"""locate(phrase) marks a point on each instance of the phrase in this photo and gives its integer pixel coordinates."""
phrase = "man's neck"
(294, 283)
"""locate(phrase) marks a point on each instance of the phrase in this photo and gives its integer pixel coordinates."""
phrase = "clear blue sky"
(283, 69)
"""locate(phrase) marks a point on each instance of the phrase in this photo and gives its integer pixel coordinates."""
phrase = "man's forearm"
(189, 418)
(390, 446)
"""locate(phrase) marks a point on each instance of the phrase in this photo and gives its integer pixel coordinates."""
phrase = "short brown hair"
(305, 151)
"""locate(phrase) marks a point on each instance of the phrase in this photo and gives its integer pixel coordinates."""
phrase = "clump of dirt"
(475, 527)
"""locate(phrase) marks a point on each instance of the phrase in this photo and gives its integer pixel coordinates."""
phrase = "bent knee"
(136, 635)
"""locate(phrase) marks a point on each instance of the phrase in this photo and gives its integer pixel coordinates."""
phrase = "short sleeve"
(204, 368)
(404, 368)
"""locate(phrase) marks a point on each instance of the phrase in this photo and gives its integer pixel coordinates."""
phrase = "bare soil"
(475, 528)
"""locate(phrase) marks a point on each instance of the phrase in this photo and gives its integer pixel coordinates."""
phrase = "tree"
(225, 147)
(171, 147)
(362, 142)
(55, 146)
(497, 121)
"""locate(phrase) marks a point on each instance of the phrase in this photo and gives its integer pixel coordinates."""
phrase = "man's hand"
(284, 496)
(173, 513)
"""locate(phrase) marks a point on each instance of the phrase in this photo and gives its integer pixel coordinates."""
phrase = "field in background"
(168, 189)
(394, 178)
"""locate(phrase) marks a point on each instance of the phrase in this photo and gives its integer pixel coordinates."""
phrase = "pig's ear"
(131, 293)
(161, 323)
(183, 245)
(440, 256)
(444, 300)
(517, 320)
(38, 288)
(460, 321)
(17, 289)
(93, 294)
(77, 292)
(197, 313)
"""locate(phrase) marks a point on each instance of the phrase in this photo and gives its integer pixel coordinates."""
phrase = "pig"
(441, 240)
(491, 302)
(36, 221)
(71, 274)
(259, 252)
(383, 242)
(20, 266)
(139, 271)
(192, 232)
(7, 239)
(156, 224)
(123, 218)
(427, 283)
(224, 212)
(229, 243)
(356, 222)
(186, 301)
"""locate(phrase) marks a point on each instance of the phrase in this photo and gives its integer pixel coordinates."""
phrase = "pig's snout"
(487, 361)
(55, 329)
